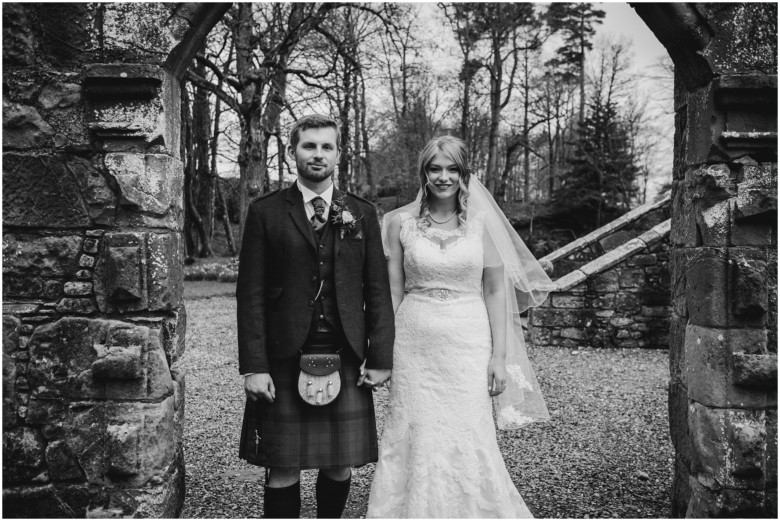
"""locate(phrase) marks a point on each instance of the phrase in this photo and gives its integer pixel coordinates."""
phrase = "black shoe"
(282, 503)
(331, 496)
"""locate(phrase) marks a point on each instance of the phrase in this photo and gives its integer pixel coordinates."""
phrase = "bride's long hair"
(455, 149)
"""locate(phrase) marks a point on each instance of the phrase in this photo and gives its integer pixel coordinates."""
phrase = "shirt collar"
(308, 195)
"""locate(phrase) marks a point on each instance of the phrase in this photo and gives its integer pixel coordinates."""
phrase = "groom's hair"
(313, 121)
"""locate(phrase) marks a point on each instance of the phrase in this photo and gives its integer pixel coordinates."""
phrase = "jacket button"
(322, 317)
(310, 303)
(321, 246)
(322, 263)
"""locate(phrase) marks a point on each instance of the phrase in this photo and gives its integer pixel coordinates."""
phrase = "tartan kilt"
(296, 435)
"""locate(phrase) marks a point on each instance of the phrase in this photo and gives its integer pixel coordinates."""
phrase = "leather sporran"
(319, 381)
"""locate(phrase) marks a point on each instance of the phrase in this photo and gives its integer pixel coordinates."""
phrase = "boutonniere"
(342, 217)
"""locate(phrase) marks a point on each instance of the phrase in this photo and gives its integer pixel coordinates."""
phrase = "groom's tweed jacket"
(278, 280)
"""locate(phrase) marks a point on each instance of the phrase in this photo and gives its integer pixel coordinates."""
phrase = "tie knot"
(319, 206)
(319, 211)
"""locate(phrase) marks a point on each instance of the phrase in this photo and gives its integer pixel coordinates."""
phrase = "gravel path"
(606, 452)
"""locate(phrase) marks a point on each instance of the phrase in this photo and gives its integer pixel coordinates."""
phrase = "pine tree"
(601, 180)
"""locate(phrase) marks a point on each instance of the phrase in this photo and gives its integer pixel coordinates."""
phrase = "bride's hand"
(496, 376)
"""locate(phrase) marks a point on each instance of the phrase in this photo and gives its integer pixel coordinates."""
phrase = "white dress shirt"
(308, 195)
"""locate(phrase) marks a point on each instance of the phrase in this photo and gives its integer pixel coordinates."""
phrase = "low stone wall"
(627, 305)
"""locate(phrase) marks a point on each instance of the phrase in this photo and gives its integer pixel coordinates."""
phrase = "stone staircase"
(613, 285)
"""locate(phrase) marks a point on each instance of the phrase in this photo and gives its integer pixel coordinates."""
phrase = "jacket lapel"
(298, 214)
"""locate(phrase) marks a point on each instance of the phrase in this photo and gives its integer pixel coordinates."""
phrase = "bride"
(459, 276)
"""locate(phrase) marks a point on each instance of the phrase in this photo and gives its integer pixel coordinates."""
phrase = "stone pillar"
(93, 319)
(723, 339)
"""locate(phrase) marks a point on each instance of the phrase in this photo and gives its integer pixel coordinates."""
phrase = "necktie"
(318, 219)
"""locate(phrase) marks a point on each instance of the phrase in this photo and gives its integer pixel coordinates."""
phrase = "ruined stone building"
(93, 320)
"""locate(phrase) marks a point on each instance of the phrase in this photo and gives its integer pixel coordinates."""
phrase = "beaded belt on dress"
(440, 293)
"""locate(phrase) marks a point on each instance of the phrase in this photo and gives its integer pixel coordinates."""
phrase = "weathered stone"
(150, 186)
(91, 245)
(657, 311)
(79, 358)
(627, 303)
(623, 333)
(86, 261)
(10, 345)
(709, 372)
(677, 363)
(173, 331)
(604, 282)
(23, 128)
(36, 267)
(631, 278)
(62, 95)
(714, 223)
(78, 289)
(138, 272)
(620, 321)
(118, 362)
(568, 301)
(18, 39)
(43, 191)
(56, 500)
(61, 462)
(158, 374)
(561, 317)
(746, 440)
(83, 274)
(757, 193)
(572, 333)
(645, 259)
(76, 306)
(22, 455)
(726, 503)
(706, 278)
(605, 313)
(755, 370)
(684, 233)
(617, 239)
(750, 291)
(770, 463)
(604, 301)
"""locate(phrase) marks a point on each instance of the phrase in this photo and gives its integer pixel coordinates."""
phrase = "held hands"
(260, 385)
(372, 378)
(496, 376)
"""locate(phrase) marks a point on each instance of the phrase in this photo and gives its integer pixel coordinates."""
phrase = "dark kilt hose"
(283, 266)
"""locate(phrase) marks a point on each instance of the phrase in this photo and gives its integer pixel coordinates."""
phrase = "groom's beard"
(314, 176)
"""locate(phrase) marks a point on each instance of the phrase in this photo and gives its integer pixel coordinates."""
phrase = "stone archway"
(93, 321)
(723, 338)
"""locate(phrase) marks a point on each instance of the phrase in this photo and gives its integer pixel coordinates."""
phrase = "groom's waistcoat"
(325, 308)
(281, 266)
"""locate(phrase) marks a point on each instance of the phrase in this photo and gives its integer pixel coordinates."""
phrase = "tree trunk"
(202, 183)
(364, 139)
(189, 175)
(496, 76)
(344, 109)
(226, 219)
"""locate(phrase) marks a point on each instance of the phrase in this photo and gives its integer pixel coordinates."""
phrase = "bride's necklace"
(445, 221)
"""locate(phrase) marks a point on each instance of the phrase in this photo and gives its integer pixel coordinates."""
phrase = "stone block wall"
(627, 305)
(93, 318)
(723, 321)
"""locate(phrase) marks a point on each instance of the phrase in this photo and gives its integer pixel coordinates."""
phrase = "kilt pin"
(304, 291)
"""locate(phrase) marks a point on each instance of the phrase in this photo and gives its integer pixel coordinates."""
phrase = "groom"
(311, 277)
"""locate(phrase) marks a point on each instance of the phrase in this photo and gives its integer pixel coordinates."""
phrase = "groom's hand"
(374, 378)
(260, 385)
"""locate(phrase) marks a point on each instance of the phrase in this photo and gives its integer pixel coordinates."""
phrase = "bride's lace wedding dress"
(439, 457)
